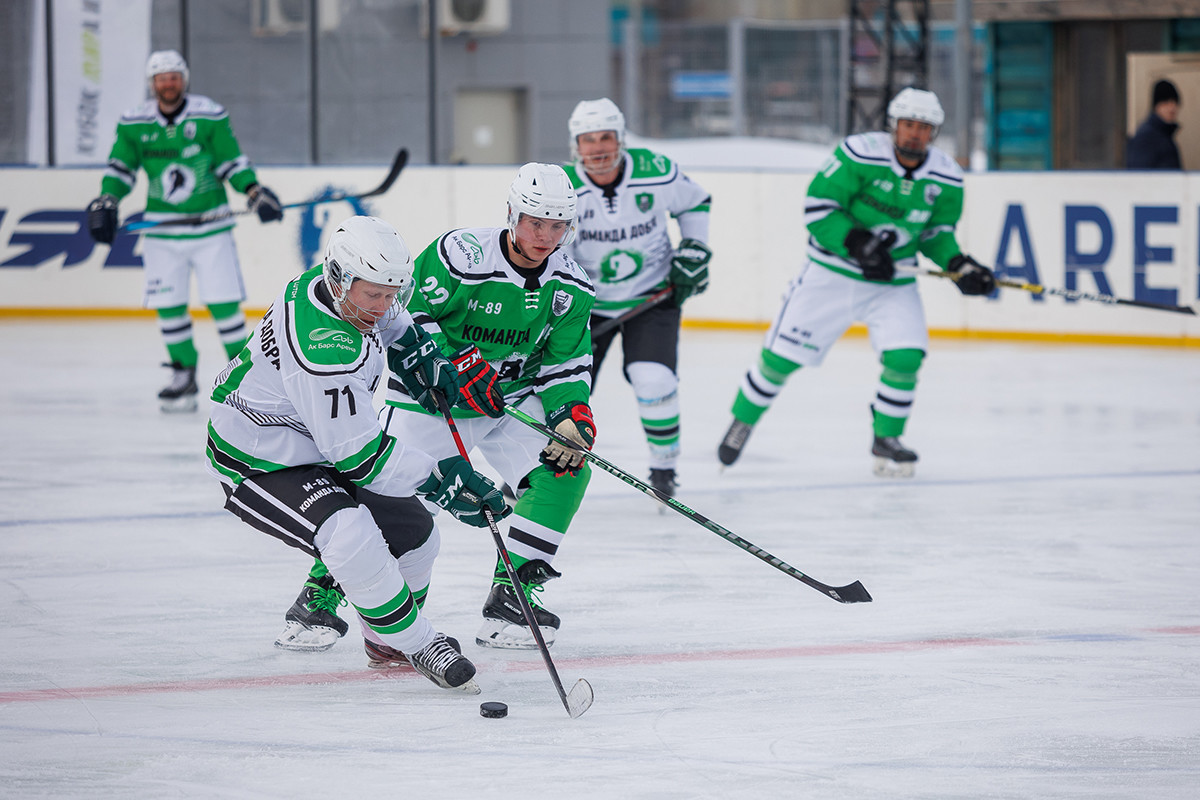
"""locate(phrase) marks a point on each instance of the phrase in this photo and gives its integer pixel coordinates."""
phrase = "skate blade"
(886, 468)
(298, 638)
(180, 405)
(503, 635)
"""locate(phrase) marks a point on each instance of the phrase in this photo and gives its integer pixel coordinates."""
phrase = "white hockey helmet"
(543, 191)
(916, 104)
(163, 61)
(368, 249)
(590, 116)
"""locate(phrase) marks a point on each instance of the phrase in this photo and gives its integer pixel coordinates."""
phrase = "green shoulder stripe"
(647, 164)
(318, 339)
(573, 174)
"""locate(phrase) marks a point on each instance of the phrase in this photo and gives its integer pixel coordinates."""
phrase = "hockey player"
(301, 456)
(186, 146)
(625, 198)
(513, 311)
(880, 199)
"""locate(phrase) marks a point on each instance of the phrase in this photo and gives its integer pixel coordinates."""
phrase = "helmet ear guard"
(543, 191)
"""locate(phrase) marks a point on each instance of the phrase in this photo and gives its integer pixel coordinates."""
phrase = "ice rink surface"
(1035, 630)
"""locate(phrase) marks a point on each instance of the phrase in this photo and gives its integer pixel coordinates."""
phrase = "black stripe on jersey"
(391, 618)
(518, 535)
(117, 166)
(266, 420)
(947, 178)
(230, 463)
(861, 157)
(444, 254)
(567, 277)
(349, 370)
(825, 205)
(543, 380)
(423, 319)
(363, 470)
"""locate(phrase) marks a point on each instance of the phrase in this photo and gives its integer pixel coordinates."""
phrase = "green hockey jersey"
(530, 325)
(186, 164)
(862, 185)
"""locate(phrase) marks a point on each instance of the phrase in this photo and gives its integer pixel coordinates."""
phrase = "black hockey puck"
(493, 710)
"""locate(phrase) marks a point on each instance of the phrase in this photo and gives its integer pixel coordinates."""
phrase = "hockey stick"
(397, 165)
(1072, 294)
(851, 593)
(580, 698)
(647, 304)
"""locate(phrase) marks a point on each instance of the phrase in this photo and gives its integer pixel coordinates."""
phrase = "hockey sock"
(231, 326)
(656, 387)
(897, 387)
(319, 570)
(761, 385)
(176, 326)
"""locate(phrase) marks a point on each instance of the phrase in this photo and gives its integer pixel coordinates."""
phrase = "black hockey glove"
(264, 203)
(572, 421)
(457, 487)
(872, 251)
(102, 218)
(689, 269)
(972, 277)
(418, 363)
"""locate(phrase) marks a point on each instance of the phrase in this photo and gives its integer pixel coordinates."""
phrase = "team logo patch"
(932, 190)
(644, 201)
(561, 303)
(189, 130)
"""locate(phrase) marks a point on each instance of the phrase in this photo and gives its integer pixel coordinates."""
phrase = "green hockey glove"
(689, 269)
(457, 487)
(572, 421)
(418, 363)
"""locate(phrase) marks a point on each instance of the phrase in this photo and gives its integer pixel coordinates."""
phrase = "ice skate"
(441, 662)
(503, 623)
(892, 459)
(179, 396)
(380, 656)
(312, 623)
(735, 439)
(664, 481)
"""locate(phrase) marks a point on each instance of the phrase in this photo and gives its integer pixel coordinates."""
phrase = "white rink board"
(1024, 223)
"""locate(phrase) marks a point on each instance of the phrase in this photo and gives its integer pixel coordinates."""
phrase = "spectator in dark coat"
(1153, 145)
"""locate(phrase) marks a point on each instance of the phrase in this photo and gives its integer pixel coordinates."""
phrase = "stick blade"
(579, 699)
(851, 593)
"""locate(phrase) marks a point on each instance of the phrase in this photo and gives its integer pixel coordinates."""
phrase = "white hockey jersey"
(623, 242)
(300, 393)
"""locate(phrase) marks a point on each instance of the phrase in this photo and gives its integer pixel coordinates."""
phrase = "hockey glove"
(477, 382)
(457, 487)
(102, 218)
(872, 251)
(264, 203)
(572, 421)
(418, 363)
(689, 269)
(971, 276)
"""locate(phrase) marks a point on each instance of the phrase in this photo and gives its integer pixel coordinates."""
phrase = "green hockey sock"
(175, 324)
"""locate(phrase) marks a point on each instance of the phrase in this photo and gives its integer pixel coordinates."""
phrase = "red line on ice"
(363, 675)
